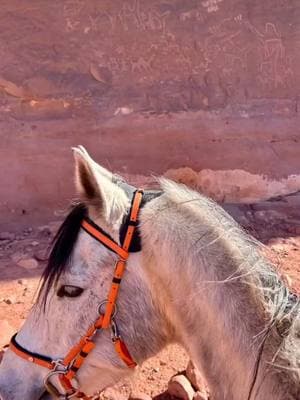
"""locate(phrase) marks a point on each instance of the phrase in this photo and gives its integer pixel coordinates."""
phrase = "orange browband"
(69, 366)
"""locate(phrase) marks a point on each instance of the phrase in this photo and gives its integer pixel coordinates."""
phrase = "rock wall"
(206, 91)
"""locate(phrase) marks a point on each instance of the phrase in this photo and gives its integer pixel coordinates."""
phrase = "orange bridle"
(67, 368)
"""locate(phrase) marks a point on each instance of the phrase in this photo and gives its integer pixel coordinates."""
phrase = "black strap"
(136, 244)
(30, 354)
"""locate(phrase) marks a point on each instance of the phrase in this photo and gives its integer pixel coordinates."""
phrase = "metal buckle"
(59, 364)
(115, 334)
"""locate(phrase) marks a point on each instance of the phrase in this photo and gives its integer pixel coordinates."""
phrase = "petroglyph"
(229, 47)
(132, 15)
(196, 14)
(225, 51)
(235, 42)
(141, 64)
(275, 65)
(273, 57)
(72, 13)
(211, 5)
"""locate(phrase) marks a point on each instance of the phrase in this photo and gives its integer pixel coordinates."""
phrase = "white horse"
(198, 280)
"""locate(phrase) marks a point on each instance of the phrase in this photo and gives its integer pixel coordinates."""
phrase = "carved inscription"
(202, 45)
(211, 5)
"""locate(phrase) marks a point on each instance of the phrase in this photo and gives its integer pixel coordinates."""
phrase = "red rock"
(210, 119)
(194, 376)
(180, 387)
(7, 236)
(28, 263)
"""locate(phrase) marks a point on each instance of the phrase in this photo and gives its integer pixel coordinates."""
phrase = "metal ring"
(100, 311)
(50, 387)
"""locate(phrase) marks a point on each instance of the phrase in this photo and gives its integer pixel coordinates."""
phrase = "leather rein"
(67, 368)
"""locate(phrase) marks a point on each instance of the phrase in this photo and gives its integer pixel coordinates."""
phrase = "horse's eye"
(69, 291)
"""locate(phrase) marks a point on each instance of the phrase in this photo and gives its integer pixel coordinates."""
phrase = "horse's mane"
(62, 247)
(253, 268)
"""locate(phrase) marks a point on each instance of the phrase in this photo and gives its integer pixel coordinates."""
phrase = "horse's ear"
(96, 187)
(83, 152)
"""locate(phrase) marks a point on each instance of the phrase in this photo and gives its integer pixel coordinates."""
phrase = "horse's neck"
(221, 324)
(224, 343)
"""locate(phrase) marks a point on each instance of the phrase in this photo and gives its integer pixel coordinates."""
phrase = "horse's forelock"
(62, 248)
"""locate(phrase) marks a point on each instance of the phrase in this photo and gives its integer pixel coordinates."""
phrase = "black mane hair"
(62, 247)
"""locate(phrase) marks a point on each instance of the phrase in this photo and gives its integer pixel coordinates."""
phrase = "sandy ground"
(23, 257)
